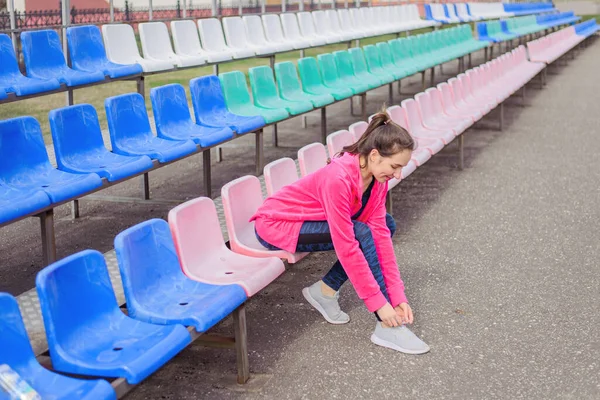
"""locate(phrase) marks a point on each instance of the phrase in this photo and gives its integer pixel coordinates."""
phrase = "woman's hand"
(404, 313)
(389, 316)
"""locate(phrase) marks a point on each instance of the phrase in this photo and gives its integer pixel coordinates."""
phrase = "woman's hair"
(383, 135)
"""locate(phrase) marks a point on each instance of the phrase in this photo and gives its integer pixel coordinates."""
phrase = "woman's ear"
(374, 156)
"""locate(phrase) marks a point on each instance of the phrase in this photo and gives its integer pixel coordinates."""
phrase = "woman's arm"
(386, 254)
(337, 198)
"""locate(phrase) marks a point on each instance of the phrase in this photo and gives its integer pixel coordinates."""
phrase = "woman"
(341, 207)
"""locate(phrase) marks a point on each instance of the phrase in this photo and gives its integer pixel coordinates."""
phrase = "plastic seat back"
(241, 199)
(307, 26)
(346, 24)
(75, 132)
(207, 96)
(336, 141)
(42, 51)
(148, 261)
(280, 173)
(456, 87)
(16, 348)
(196, 231)
(447, 95)
(74, 293)
(328, 68)
(398, 115)
(321, 23)
(235, 32)
(9, 67)
(235, 89)
(21, 139)
(309, 72)
(343, 63)
(414, 120)
(371, 55)
(255, 30)
(272, 28)
(359, 63)
(357, 129)
(289, 21)
(287, 78)
(86, 47)
(385, 55)
(312, 157)
(425, 106)
(185, 38)
(155, 39)
(170, 107)
(262, 83)
(18, 354)
(121, 46)
(334, 20)
(435, 97)
(211, 34)
(127, 118)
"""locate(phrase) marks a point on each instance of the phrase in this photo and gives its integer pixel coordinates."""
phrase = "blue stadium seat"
(131, 135)
(18, 355)
(587, 28)
(11, 78)
(173, 119)
(79, 147)
(87, 332)
(44, 59)
(157, 291)
(563, 18)
(24, 163)
(210, 108)
(87, 53)
(482, 33)
(16, 203)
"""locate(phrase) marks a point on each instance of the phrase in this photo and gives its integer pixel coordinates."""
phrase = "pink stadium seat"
(425, 147)
(551, 47)
(357, 129)
(437, 106)
(438, 121)
(312, 157)
(479, 89)
(416, 127)
(336, 141)
(450, 107)
(241, 199)
(280, 173)
(205, 257)
(469, 98)
(460, 102)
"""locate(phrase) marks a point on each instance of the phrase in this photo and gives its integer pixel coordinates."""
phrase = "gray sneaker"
(399, 338)
(328, 306)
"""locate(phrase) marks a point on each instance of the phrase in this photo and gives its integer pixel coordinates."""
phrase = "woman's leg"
(336, 276)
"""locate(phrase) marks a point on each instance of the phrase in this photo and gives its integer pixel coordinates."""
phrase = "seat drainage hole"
(228, 273)
(45, 186)
(102, 166)
(183, 304)
(117, 349)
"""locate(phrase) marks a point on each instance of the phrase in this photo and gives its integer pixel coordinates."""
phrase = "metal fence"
(52, 18)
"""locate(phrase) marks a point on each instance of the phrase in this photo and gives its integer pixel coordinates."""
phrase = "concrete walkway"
(500, 260)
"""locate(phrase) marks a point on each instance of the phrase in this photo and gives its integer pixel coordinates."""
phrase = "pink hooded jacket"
(334, 194)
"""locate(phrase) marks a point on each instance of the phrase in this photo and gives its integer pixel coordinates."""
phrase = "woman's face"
(386, 168)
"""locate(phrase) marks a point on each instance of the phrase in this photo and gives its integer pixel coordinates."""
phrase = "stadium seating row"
(223, 109)
(180, 274)
(114, 54)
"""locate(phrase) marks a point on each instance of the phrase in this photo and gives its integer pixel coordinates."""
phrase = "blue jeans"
(315, 236)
